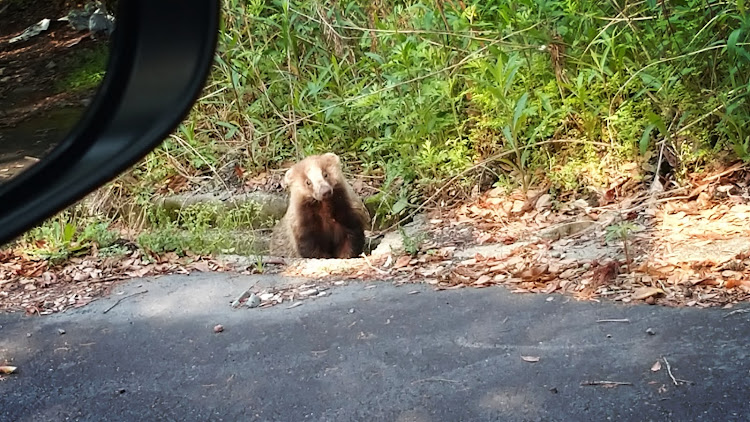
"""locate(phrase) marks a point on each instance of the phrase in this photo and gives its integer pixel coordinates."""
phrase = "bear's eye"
(325, 174)
(308, 182)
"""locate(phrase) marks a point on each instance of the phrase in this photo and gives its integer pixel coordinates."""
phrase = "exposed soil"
(685, 248)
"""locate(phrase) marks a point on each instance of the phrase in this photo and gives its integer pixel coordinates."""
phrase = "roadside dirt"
(685, 247)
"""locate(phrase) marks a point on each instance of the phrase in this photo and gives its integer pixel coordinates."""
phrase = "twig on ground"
(663, 287)
(676, 381)
(732, 169)
(647, 201)
(123, 298)
(613, 320)
(587, 383)
(736, 311)
(435, 380)
(369, 264)
(669, 371)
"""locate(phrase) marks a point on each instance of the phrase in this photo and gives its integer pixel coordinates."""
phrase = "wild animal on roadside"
(325, 217)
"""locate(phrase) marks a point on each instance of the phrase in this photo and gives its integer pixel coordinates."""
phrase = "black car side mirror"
(160, 56)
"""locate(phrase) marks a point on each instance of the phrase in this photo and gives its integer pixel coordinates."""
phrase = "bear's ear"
(332, 157)
(287, 178)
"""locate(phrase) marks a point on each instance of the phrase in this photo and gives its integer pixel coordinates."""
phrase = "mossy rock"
(270, 207)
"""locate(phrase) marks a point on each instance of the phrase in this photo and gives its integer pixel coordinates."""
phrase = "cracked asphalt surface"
(377, 354)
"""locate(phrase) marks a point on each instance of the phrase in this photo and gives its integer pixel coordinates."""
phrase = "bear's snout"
(324, 192)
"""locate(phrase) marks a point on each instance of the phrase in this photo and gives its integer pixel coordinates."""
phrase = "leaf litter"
(41, 287)
(692, 250)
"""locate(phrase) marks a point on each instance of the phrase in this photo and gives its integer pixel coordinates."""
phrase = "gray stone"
(271, 206)
(253, 301)
(393, 242)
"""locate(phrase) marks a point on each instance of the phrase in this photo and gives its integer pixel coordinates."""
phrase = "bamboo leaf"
(520, 108)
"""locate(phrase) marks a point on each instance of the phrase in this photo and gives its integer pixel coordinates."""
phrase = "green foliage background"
(417, 92)
(418, 95)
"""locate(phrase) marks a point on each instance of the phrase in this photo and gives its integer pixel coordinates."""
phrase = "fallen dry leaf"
(483, 280)
(645, 292)
(551, 286)
(534, 272)
(402, 261)
(6, 370)
(656, 366)
(531, 359)
(605, 273)
(484, 238)
(201, 266)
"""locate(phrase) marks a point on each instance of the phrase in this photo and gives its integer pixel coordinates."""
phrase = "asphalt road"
(378, 354)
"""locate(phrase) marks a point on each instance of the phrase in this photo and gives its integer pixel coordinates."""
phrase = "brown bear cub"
(325, 218)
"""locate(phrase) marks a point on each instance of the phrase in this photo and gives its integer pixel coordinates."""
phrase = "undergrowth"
(199, 229)
(84, 69)
(416, 93)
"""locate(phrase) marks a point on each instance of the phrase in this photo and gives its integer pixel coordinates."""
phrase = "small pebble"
(650, 331)
(61, 331)
(266, 296)
(253, 301)
(351, 310)
(550, 299)
(218, 328)
(237, 302)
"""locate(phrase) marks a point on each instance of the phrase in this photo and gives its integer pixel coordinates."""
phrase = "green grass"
(200, 229)
(84, 69)
(67, 235)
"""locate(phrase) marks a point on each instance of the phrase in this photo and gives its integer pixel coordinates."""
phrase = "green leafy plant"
(412, 243)
(622, 231)
(64, 236)
(84, 69)
(202, 229)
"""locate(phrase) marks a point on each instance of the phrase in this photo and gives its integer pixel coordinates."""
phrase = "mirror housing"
(161, 53)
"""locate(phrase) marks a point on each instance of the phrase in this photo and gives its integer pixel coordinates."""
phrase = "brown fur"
(325, 218)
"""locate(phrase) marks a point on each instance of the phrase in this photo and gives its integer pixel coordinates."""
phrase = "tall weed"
(423, 90)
